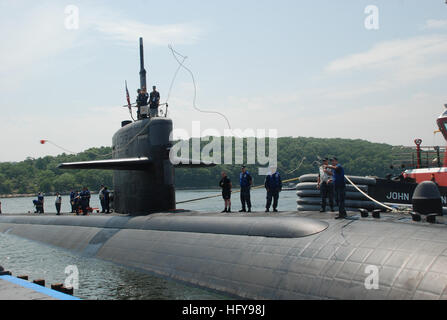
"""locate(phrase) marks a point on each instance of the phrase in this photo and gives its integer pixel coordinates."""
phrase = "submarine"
(295, 255)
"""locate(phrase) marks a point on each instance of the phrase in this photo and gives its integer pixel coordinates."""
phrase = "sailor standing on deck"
(40, 203)
(77, 202)
(58, 203)
(325, 185)
(154, 102)
(101, 199)
(225, 184)
(106, 200)
(72, 198)
(246, 181)
(85, 200)
(273, 185)
(338, 177)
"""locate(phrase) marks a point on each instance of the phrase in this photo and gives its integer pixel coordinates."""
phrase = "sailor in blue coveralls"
(273, 185)
(246, 181)
(338, 176)
(72, 198)
(85, 200)
(106, 193)
(40, 203)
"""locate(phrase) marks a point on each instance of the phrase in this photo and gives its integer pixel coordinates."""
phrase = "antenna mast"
(142, 70)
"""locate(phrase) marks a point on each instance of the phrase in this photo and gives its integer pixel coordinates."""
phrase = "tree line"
(359, 157)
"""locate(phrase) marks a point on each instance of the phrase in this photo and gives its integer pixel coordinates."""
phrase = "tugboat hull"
(382, 190)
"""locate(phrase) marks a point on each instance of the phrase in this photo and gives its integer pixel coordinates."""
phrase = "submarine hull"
(263, 257)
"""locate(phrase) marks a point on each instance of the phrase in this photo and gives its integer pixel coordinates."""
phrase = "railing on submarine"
(162, 112)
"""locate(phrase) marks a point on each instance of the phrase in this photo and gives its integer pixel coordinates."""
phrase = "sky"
(304, 68)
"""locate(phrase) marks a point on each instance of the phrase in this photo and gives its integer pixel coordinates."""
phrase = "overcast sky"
(305, 68)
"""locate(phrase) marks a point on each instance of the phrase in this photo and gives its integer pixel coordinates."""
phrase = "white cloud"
(40, 34)
(390, 65)
(127, 31)
(386, 54)
(435, 24)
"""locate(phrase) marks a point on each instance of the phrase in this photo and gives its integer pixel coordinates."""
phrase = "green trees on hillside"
(42, 174)
(358, 157)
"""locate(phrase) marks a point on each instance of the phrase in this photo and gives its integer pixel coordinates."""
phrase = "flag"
(128, 97)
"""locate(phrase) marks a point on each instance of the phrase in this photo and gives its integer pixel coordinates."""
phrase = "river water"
(100, 279)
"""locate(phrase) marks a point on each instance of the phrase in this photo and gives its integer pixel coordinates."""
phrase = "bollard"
(431, 218)
(376, 214)
(62, 288)
(67, 290)
(57, 286)
(40, 282)
(364, 213)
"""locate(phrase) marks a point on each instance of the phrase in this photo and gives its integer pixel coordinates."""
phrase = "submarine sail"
(143, 175)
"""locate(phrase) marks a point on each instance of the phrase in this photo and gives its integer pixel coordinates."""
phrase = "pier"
(12, 288)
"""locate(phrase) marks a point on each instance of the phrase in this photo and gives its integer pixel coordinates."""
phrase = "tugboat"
(418, 164)
(423, 172)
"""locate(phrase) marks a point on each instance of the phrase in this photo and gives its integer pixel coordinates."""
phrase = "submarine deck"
(307, 214)
(286, 224)
(399, 216)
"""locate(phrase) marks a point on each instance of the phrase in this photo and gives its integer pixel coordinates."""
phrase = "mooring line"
(369, 197)
(237, 191)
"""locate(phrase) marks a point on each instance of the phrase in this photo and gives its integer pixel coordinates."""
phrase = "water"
(100, 279)
(97, 279)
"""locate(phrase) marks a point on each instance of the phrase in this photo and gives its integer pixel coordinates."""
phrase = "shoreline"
(17, 195)
(31, 195)
(50, 194)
